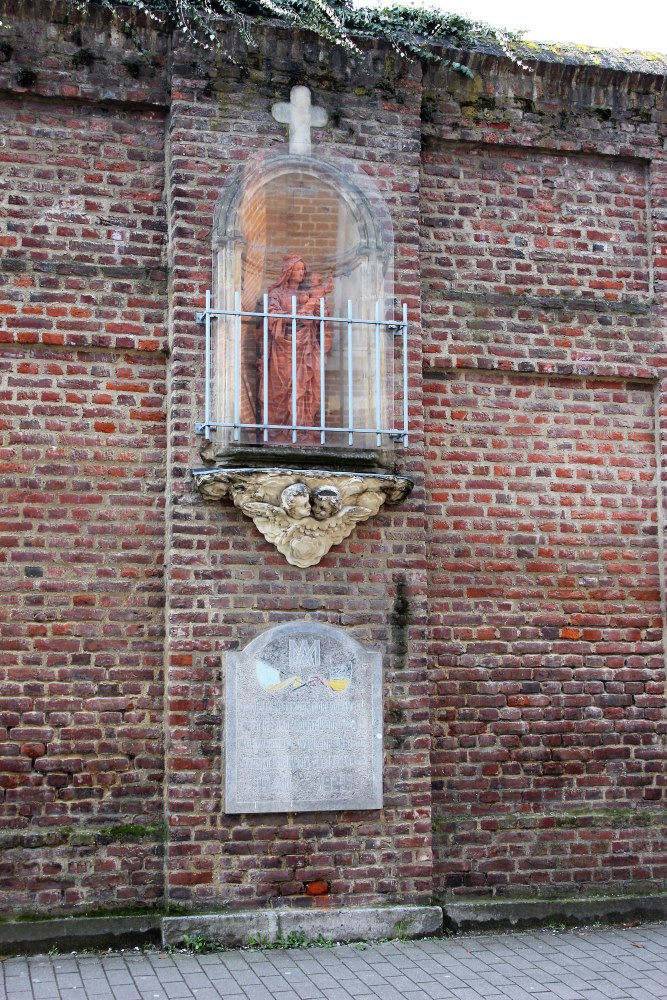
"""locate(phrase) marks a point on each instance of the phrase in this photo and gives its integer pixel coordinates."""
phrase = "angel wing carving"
(269, 519)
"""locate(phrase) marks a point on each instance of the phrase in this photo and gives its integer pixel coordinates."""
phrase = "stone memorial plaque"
(303, 722)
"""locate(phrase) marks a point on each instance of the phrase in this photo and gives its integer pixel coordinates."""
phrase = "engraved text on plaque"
(303, 722)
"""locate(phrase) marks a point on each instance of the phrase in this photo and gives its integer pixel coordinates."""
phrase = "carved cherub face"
(326, 502)
(295, 501)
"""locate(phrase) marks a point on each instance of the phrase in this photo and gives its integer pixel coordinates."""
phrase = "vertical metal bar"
(207, 386)
(323, 436)
(237, 362)
(378, 381)
(265, 368)
(350, 387)
(294, 386)
(405, 374)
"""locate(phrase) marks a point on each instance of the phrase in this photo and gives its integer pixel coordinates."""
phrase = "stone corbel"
(303, 513)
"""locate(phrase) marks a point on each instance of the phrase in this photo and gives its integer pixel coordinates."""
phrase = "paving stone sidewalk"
(586, 964)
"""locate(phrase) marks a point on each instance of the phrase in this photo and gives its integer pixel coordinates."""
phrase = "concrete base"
(232, 930)
(354, 924)
(509, 915)
(33, 937)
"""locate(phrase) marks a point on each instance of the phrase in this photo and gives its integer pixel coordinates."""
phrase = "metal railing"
(348, 326)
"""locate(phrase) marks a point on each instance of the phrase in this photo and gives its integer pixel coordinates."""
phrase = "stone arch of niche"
(333, 216)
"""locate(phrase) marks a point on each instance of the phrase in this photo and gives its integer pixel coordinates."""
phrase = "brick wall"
(546, 622)
(511, 221)
(226, 583)
(82, 368)
(544, 390)
(523, 578)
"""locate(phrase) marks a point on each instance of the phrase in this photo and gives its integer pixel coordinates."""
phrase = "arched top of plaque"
(327, 647)
(303, 722)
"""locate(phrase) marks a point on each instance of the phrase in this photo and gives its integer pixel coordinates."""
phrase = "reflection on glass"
(308, 257)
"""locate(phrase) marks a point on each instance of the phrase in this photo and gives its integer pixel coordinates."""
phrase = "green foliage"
(259, 941)
(200, 944)
(295, 939)
(415, 32)
(128, 832)
(557, 926)
(319, 941)
(402, 930)
(418, 32)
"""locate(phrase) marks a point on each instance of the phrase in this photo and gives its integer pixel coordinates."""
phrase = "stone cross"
(301, 116)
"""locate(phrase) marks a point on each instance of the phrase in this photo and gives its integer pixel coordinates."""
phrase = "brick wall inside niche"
(292, 213)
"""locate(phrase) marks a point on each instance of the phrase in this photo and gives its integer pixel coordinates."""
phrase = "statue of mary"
(293, 283)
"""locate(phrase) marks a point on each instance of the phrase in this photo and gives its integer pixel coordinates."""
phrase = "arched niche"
(328, 214)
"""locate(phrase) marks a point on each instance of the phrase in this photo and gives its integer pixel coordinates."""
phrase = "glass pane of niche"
(304, 357)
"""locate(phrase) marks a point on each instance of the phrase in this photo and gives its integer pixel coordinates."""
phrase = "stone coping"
(490, 915)
(363, 923)
(75, 933)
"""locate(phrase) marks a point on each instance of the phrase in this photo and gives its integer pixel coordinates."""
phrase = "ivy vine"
(415, 32)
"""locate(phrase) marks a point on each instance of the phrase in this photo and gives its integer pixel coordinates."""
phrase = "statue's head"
(294, 271)
(295, 501)
(325, 502)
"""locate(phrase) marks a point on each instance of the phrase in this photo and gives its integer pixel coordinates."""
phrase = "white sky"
(622, 24)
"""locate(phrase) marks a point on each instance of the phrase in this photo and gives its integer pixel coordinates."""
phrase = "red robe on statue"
(308, 389)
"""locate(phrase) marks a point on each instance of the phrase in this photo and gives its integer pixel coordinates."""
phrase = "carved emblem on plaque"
(304, 670)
